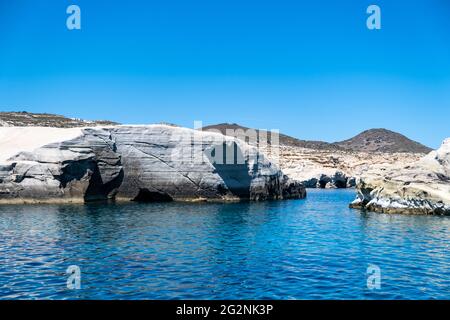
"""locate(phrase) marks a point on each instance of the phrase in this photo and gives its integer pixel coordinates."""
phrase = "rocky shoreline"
(420, 187)
(140, 163)
(63, 161)
(335, 169)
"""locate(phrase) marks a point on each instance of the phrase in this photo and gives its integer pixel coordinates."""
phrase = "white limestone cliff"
(142, 163)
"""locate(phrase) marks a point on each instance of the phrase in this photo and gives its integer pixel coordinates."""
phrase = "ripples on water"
(306, 249)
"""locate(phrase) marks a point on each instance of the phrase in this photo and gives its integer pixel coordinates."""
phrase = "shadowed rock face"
(142, 163)
(421, 187)
(237, 178)
(146, 195)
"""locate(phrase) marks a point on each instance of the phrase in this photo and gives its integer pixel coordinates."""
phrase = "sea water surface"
(301, 249)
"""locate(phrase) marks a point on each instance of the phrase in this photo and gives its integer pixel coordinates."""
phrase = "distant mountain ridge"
(283, 139)
(373, 140)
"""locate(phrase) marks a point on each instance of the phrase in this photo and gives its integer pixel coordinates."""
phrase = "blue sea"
(316, 248)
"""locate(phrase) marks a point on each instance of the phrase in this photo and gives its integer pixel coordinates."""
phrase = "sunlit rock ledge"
(141, 163)
(421, 187)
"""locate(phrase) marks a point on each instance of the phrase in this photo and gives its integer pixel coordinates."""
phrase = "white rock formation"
(420, 187)
(332, 168)
(142, 163)
(18, 139)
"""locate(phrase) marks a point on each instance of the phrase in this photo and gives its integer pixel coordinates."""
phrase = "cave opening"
(322, 184)
(147, 196)
(340, 184)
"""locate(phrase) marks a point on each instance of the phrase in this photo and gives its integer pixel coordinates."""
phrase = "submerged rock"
(421, 187)
(141, 163)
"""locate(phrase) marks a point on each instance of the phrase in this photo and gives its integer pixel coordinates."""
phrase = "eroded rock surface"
(334, 169)
(420, 187)
(142, 163)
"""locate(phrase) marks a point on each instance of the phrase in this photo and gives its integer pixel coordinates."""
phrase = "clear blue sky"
(312, 70)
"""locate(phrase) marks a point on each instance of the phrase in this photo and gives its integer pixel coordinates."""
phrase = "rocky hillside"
(284, 140)
(382, 140)
(373, 140)
(26, 119)
(334, 169)
(315, 163)
(337, 165)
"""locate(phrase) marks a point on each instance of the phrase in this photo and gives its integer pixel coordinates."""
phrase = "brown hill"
(382, 140)
(374, 140)
(284, 139)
